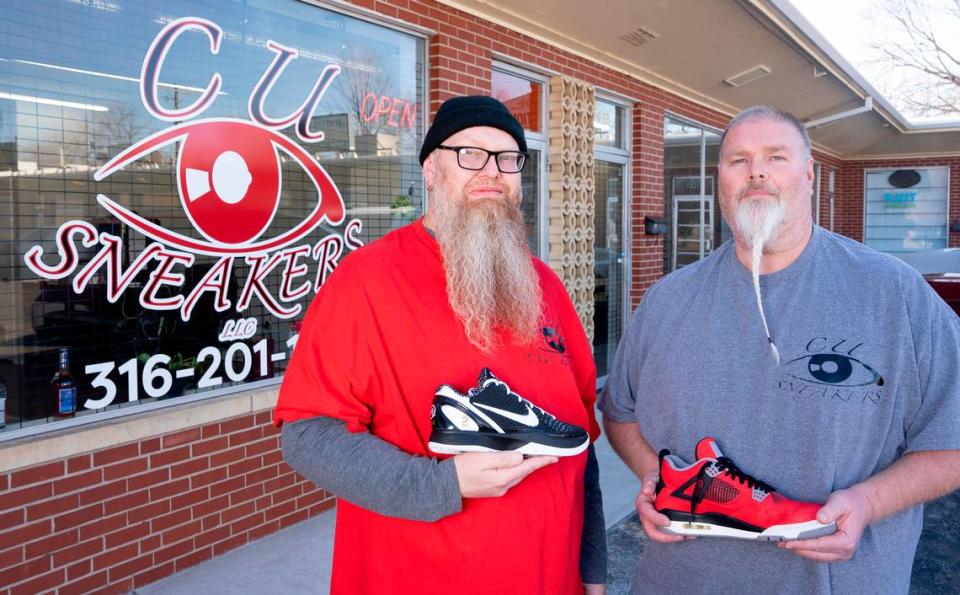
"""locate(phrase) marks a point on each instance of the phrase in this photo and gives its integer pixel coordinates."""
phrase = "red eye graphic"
(229, 182)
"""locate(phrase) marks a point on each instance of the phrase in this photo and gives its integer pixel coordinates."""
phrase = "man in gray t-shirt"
(831, 372)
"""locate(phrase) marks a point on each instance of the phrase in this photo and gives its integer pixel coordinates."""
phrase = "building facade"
(178, 180)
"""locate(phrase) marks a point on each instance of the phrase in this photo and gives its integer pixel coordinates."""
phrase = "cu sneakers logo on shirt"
(831, 361)
(833, 368)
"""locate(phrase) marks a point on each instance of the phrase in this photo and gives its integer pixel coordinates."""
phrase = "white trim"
(866, 107)
(87, 417)
(24, 449)
(624, 101)
(520, 68)
(817, 182)
(832, 194)
(511, 66)
(628, 220)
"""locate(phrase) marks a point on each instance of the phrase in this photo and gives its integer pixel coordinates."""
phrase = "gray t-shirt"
(869, 371)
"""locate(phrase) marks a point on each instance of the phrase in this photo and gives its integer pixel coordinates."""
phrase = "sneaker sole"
(453, 447)
(792, 532)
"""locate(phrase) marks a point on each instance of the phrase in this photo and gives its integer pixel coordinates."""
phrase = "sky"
(852, 26)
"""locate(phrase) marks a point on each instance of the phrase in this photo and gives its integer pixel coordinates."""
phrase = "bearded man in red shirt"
(431, 304)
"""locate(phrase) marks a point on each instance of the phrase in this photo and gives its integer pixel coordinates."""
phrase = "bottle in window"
(3, 404)
(64, 387)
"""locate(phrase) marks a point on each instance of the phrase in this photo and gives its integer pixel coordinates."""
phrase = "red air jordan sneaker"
(714, 497)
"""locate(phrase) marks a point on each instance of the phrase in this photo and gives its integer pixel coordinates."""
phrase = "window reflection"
(520, 95)
(608, 264)
(72, 103)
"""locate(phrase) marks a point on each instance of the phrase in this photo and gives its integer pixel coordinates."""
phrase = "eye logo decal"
(554, 339)
(834, 369)
(229, 183)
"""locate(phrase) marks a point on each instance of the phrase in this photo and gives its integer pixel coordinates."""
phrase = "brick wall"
(118, 518)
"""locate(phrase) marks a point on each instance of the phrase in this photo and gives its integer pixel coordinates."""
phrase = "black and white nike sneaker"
(491, 417)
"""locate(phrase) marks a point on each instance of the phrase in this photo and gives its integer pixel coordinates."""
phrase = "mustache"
(490, 183)
(753, 186)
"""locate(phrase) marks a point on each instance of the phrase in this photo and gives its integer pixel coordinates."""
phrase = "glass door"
(610, 268)
(692, 228)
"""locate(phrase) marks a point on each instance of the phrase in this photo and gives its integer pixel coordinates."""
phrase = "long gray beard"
(491, 281)
(756, 221)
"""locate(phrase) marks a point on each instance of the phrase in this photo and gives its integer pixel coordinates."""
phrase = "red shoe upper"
(723, 489)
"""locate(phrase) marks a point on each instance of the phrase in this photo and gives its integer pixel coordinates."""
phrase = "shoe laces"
(544, 414)
(724, 464)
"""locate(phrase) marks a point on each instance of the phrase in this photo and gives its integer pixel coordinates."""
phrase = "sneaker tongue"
(485, 374)
(708, 449)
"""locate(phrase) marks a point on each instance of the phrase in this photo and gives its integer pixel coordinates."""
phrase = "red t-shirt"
(377, 341)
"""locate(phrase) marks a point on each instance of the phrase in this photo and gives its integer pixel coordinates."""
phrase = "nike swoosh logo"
(529, 419)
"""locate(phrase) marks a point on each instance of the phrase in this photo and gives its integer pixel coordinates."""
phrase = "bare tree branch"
(913, 46)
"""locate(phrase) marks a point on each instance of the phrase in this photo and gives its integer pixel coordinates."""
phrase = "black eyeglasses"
(475, 158)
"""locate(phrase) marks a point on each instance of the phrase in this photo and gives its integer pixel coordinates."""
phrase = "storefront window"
(608, 263)
(177, 181)
(906, 209)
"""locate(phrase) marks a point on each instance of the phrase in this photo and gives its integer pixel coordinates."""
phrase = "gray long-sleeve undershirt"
(372, 473)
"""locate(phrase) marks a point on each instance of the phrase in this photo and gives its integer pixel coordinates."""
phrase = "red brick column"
(647, 198)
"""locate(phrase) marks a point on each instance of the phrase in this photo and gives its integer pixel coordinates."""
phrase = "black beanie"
(466, 112)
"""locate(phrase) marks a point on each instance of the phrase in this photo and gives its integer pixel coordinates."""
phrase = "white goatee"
(756, 221)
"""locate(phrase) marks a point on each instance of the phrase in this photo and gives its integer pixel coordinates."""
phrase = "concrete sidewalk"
(297, 559)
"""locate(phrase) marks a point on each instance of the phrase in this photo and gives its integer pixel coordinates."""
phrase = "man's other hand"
(491, 474)
(851, 511)
(652, 520)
